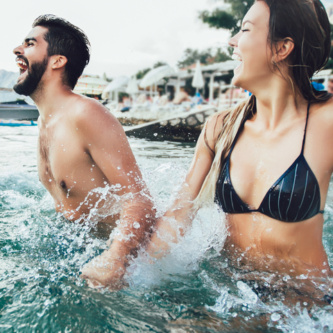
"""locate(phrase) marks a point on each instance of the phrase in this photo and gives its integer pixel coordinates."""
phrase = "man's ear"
(282, 49)
(58, 61)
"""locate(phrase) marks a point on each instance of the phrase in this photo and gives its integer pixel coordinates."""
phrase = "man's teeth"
(236, 57)
(22, 64)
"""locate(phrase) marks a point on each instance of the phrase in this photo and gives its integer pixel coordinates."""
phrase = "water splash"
(191, 289)
(204, 239)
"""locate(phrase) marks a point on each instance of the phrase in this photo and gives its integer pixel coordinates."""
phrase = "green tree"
(205, 57)
(141, 73)
(221, 56)
(191, 56)
(230, 18)
(159, 63)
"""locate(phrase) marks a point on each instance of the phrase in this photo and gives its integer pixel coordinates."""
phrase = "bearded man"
(82, 146)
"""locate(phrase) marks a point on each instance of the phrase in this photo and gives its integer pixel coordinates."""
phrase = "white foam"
(204, 238)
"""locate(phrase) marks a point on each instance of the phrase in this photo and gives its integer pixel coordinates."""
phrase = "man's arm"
(105, 140)
(135, 225)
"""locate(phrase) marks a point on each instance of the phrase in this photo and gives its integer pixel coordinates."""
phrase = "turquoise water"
(193, 289)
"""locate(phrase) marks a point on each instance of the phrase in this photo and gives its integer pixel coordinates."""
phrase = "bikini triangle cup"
(294, 197)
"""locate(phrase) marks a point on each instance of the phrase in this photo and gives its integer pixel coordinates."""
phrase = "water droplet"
(136, 225)
(118, 168)
(92, 179)
(50, 180)
(286, 278)
(155, 134)
(275, 317)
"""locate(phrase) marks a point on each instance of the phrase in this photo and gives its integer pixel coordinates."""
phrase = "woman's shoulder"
(213, 128)
(323, 111)
(321, 124)
(219, 121)
(215, 121)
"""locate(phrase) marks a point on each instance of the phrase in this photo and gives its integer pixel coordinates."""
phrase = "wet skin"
(269, 143)
(66, 165)
(81, 148)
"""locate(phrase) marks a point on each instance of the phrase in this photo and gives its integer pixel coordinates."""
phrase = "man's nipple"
(63, 185)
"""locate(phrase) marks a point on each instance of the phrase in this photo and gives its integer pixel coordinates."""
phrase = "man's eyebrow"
(29, 39)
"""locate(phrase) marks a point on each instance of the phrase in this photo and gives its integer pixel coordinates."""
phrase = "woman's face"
(252, 49)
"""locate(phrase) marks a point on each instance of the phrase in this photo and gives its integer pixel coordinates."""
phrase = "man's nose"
(18, 50)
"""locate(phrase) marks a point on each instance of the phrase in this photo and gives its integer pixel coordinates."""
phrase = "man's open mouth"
(22, 65)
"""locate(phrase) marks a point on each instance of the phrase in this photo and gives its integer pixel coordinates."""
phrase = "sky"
(125, 35)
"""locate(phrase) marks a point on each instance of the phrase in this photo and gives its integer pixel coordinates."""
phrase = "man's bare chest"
(63, 163)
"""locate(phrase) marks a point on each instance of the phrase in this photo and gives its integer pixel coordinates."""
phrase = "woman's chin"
(235, 81)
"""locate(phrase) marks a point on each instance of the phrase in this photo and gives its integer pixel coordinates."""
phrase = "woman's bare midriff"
(271, 245)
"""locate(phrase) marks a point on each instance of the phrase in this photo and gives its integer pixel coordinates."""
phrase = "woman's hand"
(104, 271)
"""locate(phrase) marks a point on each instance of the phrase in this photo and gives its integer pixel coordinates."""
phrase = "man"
(81, 146)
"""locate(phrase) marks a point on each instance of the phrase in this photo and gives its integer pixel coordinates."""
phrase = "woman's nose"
(233, 41)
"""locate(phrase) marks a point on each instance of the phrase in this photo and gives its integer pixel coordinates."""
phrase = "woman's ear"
(58, 61)
(283, 49)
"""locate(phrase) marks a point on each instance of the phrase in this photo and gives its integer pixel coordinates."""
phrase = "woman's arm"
(180, 215)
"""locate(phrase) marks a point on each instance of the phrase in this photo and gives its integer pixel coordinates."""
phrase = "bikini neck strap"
(305, 128)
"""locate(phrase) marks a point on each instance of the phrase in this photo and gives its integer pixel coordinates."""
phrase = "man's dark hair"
(66, 39)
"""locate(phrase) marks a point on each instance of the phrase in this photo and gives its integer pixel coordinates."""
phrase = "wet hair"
(307, 24)
(66, 39)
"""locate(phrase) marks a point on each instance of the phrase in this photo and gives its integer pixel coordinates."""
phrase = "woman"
(268, 162)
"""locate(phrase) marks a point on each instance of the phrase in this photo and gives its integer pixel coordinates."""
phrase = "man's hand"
(104, 271)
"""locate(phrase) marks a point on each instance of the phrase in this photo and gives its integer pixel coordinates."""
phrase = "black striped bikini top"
(294, 197)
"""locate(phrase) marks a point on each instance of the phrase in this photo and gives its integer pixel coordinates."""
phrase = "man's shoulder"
(88, 110)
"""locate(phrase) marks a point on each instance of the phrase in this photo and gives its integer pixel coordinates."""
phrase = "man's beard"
(28, 86)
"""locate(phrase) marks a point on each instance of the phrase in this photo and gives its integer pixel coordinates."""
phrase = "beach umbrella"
(132, 87)
(198, 81)
(118, 83)
(155, 75)
(90, 85)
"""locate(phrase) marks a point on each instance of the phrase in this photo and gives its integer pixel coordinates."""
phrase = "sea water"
(190, 290)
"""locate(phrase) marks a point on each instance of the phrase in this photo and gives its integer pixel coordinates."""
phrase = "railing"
(18, 112)
(185, 126)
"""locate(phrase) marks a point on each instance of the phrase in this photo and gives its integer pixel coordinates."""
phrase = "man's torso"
(67, 170)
